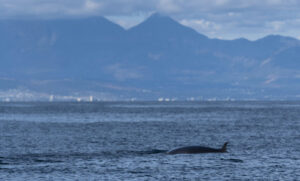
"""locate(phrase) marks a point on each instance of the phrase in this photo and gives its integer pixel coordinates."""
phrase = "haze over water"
(119, 140)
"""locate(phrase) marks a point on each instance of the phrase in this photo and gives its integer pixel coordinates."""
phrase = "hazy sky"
(226, 19)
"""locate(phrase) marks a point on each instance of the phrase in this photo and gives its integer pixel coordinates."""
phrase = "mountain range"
(92, 56)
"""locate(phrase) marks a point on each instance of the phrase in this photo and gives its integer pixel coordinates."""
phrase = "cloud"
(121, 7)
(92, 5)
(276, 25)
(207, 27)
(127, 21)
(271, 78)
(226, 18)
(168, 6)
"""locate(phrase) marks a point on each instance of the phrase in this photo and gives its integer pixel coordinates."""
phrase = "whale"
(198, 149)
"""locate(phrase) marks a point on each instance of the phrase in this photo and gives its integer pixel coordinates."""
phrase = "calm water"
(120, 141)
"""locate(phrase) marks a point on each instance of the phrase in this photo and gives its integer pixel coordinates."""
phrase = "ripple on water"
(127, 141)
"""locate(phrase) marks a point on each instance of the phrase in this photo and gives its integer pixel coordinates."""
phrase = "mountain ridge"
(157, 58)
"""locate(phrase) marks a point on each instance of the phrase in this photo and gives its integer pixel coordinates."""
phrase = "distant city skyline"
(223, 19)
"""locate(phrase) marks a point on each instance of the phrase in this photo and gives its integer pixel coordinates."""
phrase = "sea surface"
(128, 140)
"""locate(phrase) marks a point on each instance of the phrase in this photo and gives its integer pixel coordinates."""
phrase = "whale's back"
(193, 150)
(198, 149)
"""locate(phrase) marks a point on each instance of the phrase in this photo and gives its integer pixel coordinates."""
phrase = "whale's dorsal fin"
(224, 148)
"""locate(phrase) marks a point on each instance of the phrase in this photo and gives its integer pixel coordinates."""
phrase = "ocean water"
(125, 140)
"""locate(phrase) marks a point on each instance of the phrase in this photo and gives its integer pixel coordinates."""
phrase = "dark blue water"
(121, 141)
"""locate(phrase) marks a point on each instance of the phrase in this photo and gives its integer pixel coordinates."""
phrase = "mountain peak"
(274, 37)
(278, 40)
(157, 19)
(159, 16)
(162, 24)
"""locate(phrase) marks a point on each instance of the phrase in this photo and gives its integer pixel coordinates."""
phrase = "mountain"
(157, 58)
(53, 45)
